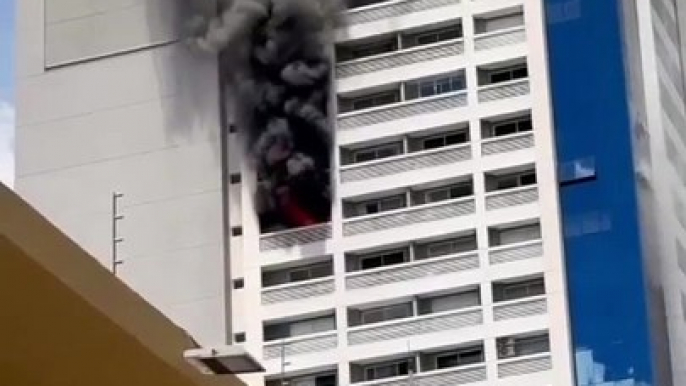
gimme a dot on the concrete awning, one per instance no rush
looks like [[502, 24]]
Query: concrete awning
[[67, 321]]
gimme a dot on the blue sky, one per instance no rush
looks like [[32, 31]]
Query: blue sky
[[6, 91]]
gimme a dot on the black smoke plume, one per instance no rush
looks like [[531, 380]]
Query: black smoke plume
[[276, 56]]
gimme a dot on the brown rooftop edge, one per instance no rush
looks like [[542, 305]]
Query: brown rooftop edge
[[65, 320]]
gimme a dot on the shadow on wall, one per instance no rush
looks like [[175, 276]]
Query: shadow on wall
[[188, 80]]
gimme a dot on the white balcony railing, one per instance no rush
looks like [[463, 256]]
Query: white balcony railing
[[292, 237], [402, 110], [500, 38], [406, 162], [525, 365], [511, 197], [409, 216], [463, 375], [412, 271], [393, 8], [420, 325], [400, 58], [515, 252], [504, 90], [520, 308], [298, 291], [504, 144], [301, 345]]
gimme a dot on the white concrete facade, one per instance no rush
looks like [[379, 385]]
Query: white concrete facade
[[108, 103]]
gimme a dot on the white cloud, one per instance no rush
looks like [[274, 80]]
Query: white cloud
[[6, 143]]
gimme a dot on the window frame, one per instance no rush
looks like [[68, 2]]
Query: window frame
[[516, 122], [363, 206], [458, 354], [310, 272], [453, 243], [450, 189], [382, 258], [528, 285], [510, 72], [444, 139], [455, 83], [396, 146], [375, 100], [377, 366], [386, 313]]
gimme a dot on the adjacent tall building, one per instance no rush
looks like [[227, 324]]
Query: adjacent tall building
[[510, 189]]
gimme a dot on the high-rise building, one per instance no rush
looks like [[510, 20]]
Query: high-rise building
[[510, 189]]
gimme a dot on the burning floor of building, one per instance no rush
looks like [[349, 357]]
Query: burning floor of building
[[276, 56]]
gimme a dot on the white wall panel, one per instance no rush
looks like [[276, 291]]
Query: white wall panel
[[78, 30]]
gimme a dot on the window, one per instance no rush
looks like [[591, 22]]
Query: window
[[448, 193], [312, 326], [387, 370], [508, 74], [345, 53], [462, 357], [512, 347], [301, 327], [511, 127], [448, 247], [518, 290], [383, 259], [239, 337], [237, 231], [433, 36], [376, 315], [449, 302], [499, 22], [435, 86], [309, 273], [515, 180], [516, 234], [377, 152], [296, 274], [445, 139], [235, 178], [238, 283], [381, 205], [380, 99]]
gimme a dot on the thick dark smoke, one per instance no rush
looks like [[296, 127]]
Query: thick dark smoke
[[276, 56]]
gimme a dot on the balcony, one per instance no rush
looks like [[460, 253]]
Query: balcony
[[451, 376], [499, 38], [520, 308], [511, 197], [504, 90], [412, 271], [524, 365], [504, 144], [400, 58], [406, 162], [393, 8], [301, 345], [298, 291], [409, 216], [406, 109], [293, 237], [515, 252], [424, 324]]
